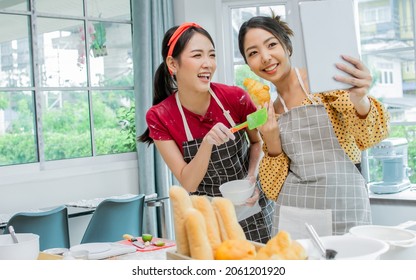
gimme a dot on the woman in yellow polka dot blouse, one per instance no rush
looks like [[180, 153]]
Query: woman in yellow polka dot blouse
[[312, 143]]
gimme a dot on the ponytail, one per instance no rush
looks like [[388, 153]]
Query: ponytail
[[163, 87]]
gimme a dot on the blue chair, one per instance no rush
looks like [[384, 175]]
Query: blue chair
[[51, 226], [114, 217]]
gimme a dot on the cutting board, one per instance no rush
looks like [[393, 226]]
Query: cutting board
[[168, 243]]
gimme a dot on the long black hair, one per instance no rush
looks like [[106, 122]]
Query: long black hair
[[274, 25], [164, 83]]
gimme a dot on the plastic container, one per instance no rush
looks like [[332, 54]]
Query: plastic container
[[348, 247], [402, 242], [238, 191], [27, 247]]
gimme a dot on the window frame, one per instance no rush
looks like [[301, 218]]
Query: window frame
[[10, 173]]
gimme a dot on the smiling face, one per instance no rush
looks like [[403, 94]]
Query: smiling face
[[196, 64], [265, 55]]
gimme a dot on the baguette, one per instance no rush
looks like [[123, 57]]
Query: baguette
[[196, 231], [203, 205], [227, 219], [181, 202]]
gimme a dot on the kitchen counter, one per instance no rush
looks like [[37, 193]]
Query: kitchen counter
[[408, 195], [395, 208]]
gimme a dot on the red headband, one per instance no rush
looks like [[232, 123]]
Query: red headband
[[177, 34]]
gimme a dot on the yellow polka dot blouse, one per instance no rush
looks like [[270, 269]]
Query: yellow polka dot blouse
[[354, 134]]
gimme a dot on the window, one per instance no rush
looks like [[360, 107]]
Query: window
[[376, 15], [388, 49], [66, 80], [387, 44]]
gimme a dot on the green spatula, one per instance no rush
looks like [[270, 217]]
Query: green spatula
[[254, 120]]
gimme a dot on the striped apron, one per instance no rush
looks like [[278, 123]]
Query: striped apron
[[323, 187], [230, 161]]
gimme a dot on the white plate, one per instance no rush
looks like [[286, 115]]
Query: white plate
[[56, 251], [92, 248], [392, 235]]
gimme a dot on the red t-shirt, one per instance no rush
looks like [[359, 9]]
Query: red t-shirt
[[165, 122]]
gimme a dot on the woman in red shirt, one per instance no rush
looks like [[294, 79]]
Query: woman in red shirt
[[190, 123]]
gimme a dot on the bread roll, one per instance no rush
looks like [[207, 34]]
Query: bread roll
[[227, 219], [196, 231], [203, 205], [181, 202], [259, 93]]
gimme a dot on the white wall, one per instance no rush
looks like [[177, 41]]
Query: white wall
[[207, 14]]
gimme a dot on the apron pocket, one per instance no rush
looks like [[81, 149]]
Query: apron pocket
[[293, 219]]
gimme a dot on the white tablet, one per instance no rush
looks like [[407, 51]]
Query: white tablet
[[329, 30]]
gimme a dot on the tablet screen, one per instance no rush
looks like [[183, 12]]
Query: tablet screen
[[329, 31]]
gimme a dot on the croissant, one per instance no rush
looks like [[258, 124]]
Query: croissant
[[259, 93]]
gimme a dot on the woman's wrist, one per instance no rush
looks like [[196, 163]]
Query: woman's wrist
[[273, 146], [363, 107]]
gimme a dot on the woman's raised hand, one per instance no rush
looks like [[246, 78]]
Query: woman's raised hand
[[360, 78], [270, 127], [270, 132], [218, 135]]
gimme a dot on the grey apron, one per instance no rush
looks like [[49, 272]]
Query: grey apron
[[323, 187], [230, 162]]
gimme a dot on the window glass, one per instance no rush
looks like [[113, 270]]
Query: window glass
[[114, 115], [110, 54], [116, 10], [66, 124], [387, 44], [409, 133], [17, 130], [80, 70], [61, 53], [61, 7], [15, 58], [16, 5]]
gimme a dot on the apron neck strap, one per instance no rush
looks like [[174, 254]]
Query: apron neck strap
[[302, 85], [185, 123], [225, 112]]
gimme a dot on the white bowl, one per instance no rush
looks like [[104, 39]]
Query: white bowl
[[402, 241], [26, 249], [349, 247], [392, 235], [238, 191]]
